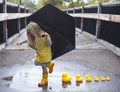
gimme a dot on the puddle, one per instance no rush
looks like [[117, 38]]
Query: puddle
[[27, 80], [9, 78]]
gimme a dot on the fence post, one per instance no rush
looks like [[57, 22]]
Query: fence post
[[73, 10], [20, 2], [67, 11], [5, 31], [98, 23], [25, 17], [18, 18], [82, 19], [74, 13]]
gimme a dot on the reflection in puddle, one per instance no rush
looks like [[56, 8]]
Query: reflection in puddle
[[64, 84], [78, 84], [44, 87], [27, 80]]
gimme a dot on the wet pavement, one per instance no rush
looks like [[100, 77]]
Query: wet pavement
[[19, 74]]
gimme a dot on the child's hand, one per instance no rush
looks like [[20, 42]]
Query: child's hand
[[19, 44]]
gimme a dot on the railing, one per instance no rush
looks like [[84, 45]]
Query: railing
[[13, 18], [105, 17], [100, 20]]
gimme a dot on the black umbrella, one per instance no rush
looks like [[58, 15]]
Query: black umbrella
[[59, 25]]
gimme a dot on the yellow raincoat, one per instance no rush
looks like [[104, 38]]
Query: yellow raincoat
[[43, 55]]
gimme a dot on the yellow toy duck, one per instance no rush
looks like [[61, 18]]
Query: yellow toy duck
[[21, 49], [107, 78], [79, 79], [96, 79], [88, 78], [102, 78], [66, 78]]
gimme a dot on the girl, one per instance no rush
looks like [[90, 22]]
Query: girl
[[41, 42]]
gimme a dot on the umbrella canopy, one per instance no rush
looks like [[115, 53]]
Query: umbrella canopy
[[59, 25]]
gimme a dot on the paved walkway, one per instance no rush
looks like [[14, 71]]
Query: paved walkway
[[19, 74]]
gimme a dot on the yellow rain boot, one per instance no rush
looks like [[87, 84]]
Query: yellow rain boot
[[50, 66], [44, 80]]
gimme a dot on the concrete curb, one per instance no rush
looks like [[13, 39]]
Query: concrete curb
[[106, 44], [110, 46], [2, 46], [11, 39]]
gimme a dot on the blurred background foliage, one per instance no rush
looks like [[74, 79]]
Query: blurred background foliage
[[61, 4]]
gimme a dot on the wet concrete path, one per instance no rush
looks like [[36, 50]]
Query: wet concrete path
[[19, 74]]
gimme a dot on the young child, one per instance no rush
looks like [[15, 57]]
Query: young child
[[41, 42]]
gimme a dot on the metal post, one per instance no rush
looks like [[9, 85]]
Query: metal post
[[25, 17], [20, 2], [82, 19], [5, 31], [73, 10], [19, 18], [98, 23], [67, 11]]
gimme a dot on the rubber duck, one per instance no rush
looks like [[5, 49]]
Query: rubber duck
[[102, 78], [21, 49], [64, 75], [66, 78], [96, 79], [88, 78], [107, 78], [79, 79]]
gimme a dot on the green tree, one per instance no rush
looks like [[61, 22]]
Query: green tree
[[97, 1], [78, 3], [62, 4], [14, 1], [115, 0], [56, 3], [27, 3]]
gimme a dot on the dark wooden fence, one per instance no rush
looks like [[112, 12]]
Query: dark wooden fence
[[12, 20], [100, 20]]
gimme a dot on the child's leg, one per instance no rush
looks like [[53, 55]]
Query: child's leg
[[44, 68], [44, 80], [51, 66]]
